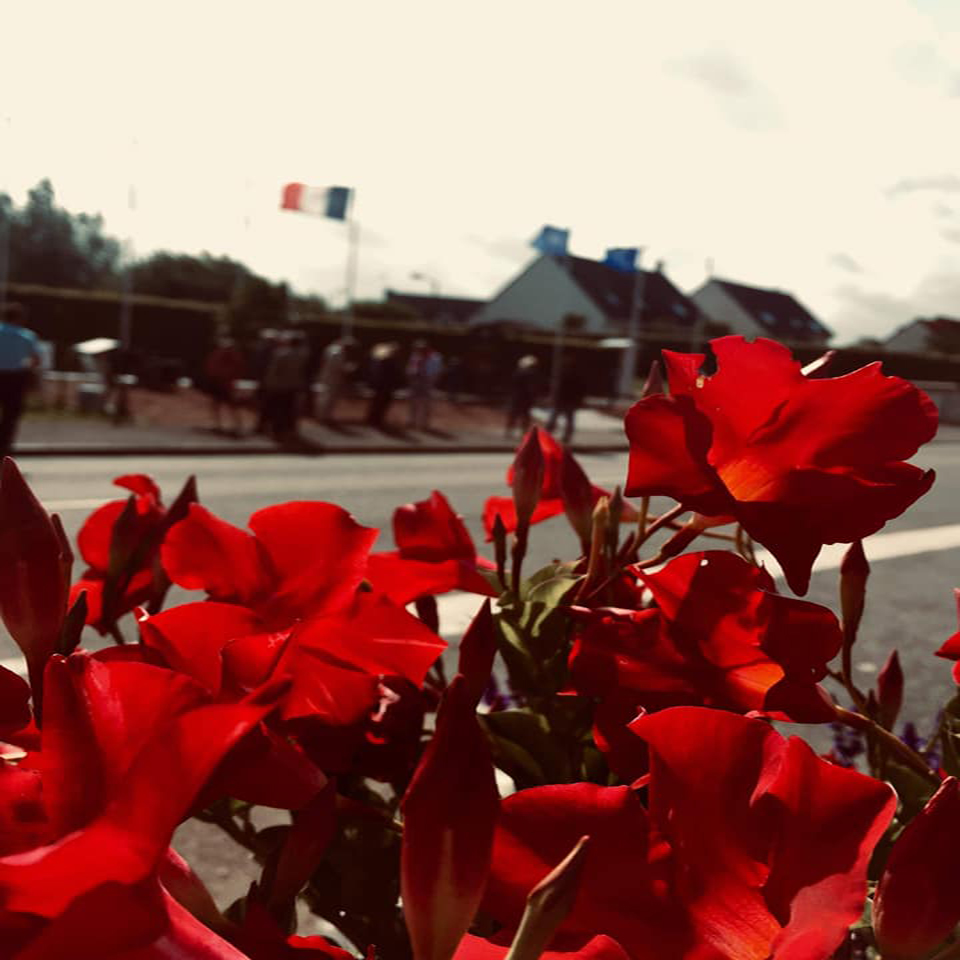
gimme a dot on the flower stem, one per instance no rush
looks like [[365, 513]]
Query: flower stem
[[664, 520], [893, 743]]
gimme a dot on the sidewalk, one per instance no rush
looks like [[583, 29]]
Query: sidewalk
[[179, 424]]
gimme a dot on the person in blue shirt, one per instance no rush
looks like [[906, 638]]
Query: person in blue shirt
[[19, 357]]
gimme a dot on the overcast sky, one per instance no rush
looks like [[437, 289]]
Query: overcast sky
[[813, 146]]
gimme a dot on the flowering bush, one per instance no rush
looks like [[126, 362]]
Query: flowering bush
[[601, 776]]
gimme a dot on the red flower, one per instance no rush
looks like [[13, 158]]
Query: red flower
[[435, 554], [564, 487], [119, 543], [918, 901], [334, 662], [719, 636], [126, 748], [750, 846], [449, 813], [951, 648], [799, 462], [301, 559], [35, 559]]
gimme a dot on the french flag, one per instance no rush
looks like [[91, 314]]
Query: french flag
[[317, 201]]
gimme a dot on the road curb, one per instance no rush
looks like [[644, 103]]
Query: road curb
[[105, 450]]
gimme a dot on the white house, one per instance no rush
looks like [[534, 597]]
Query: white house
[[554, 287], [926, 335], [755, 311]]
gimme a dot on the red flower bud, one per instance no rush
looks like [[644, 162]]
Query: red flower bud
[[854, 571], [654, 382], [477, 652], [918, 899], [549, 903], [890, 691], [578, 497], [35, 562], [527, 477], [450, 811]]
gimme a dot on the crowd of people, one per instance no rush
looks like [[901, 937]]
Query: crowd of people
[[293, 381]]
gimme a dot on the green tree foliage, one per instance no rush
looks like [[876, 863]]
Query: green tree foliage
[[45, 244], [254, 302], [42, 243]]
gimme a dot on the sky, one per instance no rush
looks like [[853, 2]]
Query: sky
[[813, 147]]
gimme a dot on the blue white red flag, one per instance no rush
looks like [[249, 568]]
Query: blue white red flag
[[319, 201]]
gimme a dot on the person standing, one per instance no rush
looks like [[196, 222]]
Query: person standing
[[386, 376], [284, 383], [267, 341], [19, 358], [334, 368], [571, 390], [423, 371], [524, 384], [223, 367]]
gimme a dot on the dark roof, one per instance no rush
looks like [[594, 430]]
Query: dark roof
[[776, 312], [939, 324], [943, 333], [612, 291], [436, 309]]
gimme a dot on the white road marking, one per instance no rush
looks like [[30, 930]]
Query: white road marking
[[881, 546], [16, 664], [80, 503]]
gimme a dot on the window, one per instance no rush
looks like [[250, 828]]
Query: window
[[767, 318], [679, 309]]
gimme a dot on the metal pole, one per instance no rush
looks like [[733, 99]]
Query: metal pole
[[4, 259], [629, 361], [5, 224], [353, 251], [558, 345], [121, 410]]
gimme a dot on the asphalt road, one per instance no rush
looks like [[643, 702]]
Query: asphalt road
[[910, 600]]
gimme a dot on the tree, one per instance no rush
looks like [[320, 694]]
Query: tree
[[48, 245], [254, 302]]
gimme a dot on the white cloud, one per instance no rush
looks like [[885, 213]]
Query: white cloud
[[765, 136]]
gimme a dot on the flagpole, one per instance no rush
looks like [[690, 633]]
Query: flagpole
[[121, 409], [353, 254], [629, 368], [558, 341], [5, 235]]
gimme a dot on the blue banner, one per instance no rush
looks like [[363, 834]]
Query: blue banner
[[623, 259], [551, 241]]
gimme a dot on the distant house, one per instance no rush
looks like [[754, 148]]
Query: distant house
[[442, 311], [755, 311], [926, 335], [600, 297]]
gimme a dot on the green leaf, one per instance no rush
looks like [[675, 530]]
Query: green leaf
[[523, 670], [525, 749], [913, 790]]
